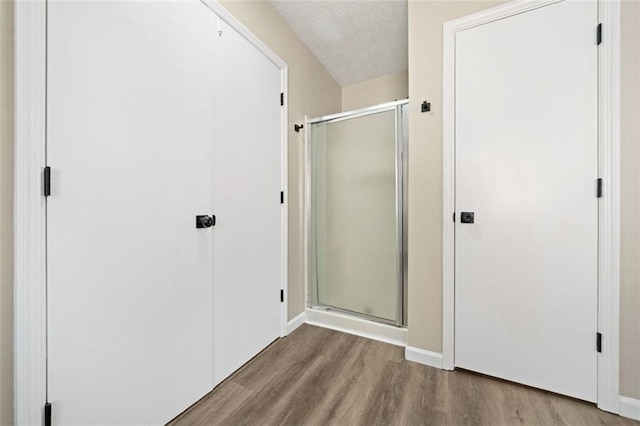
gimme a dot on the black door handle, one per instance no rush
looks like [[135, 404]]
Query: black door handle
[[466, 217], [204, 221]]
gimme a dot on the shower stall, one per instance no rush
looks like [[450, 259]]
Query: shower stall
[[356, 222]]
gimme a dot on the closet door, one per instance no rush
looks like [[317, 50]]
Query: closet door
[[526, 128], [130, 133], [247, 181]]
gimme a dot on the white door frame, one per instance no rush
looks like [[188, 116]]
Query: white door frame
[[609, 171], [30, 287]]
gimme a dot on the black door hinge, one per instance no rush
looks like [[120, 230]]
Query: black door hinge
[[599, 188], [454, 217], [282, 295], [599, 342], [599, 32], [281, 197], [281, 98], [47, 181], [47, 414]]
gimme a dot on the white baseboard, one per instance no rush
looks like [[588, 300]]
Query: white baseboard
[[358, 326], [630, 407], [297, 322], [423, 356]]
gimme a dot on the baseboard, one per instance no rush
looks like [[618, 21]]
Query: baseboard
[[358, 326], [630, 407], [296, 322], [423, 356]]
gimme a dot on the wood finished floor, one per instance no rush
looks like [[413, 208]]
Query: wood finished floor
[[317, 376]]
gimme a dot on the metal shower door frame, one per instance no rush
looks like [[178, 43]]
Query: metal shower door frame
[[401, 135]]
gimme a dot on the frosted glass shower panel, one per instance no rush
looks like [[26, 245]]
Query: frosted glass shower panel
[[354, 213]]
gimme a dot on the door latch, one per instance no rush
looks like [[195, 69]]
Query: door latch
[[204, 221], [466, 217]]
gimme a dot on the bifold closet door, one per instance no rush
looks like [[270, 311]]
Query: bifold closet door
[[526, 275], [130, 139], [247, 179]]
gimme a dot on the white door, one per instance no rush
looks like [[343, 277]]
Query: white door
[[247, 179], [527, 166], [129, 141]]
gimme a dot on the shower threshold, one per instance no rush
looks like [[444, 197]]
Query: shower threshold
[[358, 324], [329, 308]]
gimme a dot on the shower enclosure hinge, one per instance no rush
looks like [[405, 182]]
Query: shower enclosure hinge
[[281, 197], [47, 414], [599, 32], [47, 181], [599, 342], [281, 295], [599, 188], [281, 98]]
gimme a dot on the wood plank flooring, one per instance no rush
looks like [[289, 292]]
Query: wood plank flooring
[[317, 376]]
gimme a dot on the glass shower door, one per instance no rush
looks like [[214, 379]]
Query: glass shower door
[[356, 220]]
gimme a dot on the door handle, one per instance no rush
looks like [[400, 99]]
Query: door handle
[[204, 221], [466, 217]]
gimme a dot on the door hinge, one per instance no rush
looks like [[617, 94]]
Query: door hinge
[[47, 181], [454, 217], [47, 414], [281, 197], [281, 295], [281, 98], [599, 190], [599, 32], [599, 342]]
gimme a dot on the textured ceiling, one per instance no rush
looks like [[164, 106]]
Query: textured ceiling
[[356, 40]]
